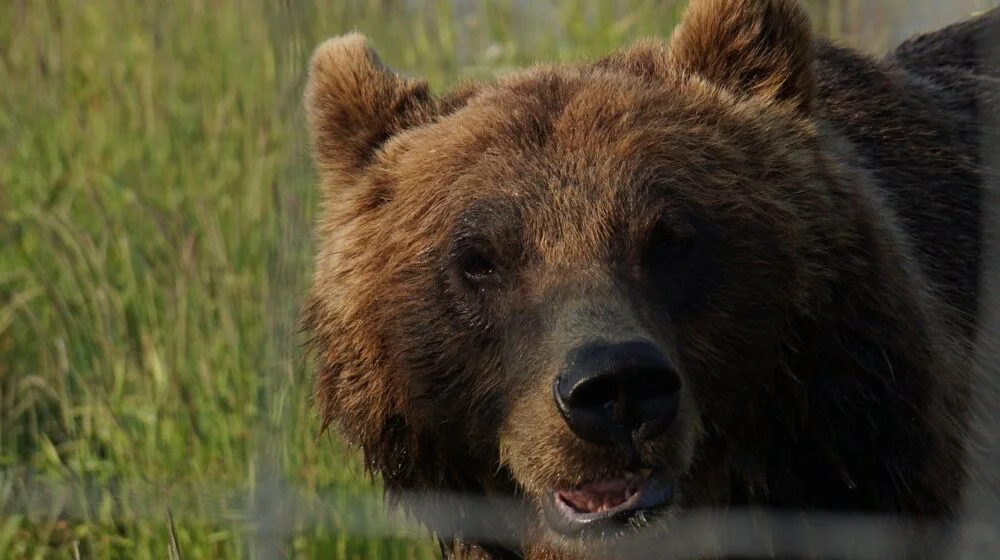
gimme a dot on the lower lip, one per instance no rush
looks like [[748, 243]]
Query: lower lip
[[655, 494]]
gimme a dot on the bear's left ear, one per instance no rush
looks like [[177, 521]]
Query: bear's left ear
[[750, 47], [354, 104]]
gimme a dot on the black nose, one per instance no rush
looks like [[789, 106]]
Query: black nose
[[617, 393]]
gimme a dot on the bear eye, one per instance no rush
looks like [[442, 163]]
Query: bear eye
[[476, 267], [667, 245]]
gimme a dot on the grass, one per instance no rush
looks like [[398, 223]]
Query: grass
[[156, 202]]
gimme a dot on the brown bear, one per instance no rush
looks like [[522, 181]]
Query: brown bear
[[578, 304]]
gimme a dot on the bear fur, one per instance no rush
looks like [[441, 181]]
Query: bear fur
[[795, 224]]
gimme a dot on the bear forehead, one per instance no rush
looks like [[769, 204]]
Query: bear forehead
[[596, 132], [584, 128], [570, 111]]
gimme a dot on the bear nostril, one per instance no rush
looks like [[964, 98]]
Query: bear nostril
[[617, 393], [594, 393]]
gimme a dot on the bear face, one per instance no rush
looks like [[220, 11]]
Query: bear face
[[618, 291]]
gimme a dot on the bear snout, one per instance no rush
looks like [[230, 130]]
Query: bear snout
[[619, 393]]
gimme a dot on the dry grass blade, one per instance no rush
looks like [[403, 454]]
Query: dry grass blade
[[173, 549]]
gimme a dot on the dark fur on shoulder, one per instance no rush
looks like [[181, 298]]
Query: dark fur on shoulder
[[794, 224]]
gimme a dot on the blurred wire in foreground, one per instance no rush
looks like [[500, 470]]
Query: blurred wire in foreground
[[745, 533]]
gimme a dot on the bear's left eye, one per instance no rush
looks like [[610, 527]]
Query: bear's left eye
[[667, 246]]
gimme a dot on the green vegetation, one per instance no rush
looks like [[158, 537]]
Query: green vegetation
[[156, 202]]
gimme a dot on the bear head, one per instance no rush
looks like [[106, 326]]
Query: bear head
[[600, 290]]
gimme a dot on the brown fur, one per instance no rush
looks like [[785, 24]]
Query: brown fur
[[820, 322]]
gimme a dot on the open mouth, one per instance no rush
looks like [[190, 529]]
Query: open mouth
[[607, 505]]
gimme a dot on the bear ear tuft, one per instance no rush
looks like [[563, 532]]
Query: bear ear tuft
[[354, 104], [750, 47], [647, 58]]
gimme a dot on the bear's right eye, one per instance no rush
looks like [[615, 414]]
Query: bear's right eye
[[477, 268]]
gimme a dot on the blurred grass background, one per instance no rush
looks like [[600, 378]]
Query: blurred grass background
[[156, 206]]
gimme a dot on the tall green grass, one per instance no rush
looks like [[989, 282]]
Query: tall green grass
[[156, 203]]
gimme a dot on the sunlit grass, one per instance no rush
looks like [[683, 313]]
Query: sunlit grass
[[156, 203]]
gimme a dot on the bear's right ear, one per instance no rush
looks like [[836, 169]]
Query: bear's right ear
[[354, 105]]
